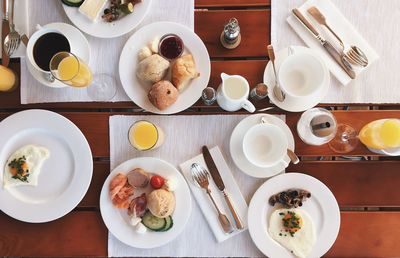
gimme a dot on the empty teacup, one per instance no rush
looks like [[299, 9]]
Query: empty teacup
[[301, 75], [265, 145], [233, 93]]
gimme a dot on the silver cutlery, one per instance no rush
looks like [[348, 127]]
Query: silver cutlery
[[5, 29], [24, 39], [353, 54], [278, 93], [216, 176], [339, 57], [265, 109], [200, 176], [293, 157], [13, 39]]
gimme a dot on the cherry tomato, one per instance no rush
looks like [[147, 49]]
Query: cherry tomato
[[157, 182]]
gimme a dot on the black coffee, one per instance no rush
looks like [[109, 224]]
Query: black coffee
[[47, 46]]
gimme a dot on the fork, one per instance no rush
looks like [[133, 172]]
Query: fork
[[13, 39], [200, 176]]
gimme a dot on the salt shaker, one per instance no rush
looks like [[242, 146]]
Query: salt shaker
[[259, 92], [209, 96], [230, 36]]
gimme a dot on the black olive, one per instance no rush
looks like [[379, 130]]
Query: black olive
[[107, 11]]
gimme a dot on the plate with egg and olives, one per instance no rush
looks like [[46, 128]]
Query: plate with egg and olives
[[293, 215], [106, 18]]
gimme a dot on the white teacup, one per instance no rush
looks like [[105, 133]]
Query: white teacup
[[233, 93], [301, 75], [265, 145], [40, 31]]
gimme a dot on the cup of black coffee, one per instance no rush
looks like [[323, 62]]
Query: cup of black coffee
[[42, 46]]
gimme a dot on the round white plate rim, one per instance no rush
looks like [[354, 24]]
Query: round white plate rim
[[295, 104], [244, 165], [196, 47], [78, 187], [329, 207], [107, 30], [105, 203], [84, 52]]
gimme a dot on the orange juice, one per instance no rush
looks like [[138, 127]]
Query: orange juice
[[144, 135], [381, 134], [7, 79], [74, 72]]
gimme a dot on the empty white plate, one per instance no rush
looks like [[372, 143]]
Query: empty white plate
[[65, 176]]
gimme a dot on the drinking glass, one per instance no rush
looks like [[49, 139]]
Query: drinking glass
[[144, 135], [318, 126], [73, 71]]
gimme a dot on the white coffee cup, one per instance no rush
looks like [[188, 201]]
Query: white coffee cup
[[301, 75], [233, 93], [265, 145], [40, 31]]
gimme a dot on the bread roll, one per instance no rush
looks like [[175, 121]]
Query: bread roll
[[161, 203], [152, 69], [183, 70], [163, 94]]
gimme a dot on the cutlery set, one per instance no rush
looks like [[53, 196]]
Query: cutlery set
[[201, 177], [10, 38]]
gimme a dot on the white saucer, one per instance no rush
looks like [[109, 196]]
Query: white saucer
[[237, 151], [295, 104], [79, 46]]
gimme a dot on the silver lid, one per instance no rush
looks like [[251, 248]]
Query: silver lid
[[232, 29]]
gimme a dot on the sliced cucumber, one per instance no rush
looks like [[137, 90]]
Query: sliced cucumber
[[169, 223], [73, 3], [152, 222]]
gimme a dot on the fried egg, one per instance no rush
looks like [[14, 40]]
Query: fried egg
[[23, 167], [294, 230]]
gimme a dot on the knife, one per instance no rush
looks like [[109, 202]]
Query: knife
[[220, 184], [328, 46], [5, 30]]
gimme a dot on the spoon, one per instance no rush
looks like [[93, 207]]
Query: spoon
[[293, 157], [354, 55], [280, 96]]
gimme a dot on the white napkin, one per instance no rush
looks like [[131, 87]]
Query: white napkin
[[341, 26], [378, 23], [204, 201], [21, 23], [184, 137], [104, 52]]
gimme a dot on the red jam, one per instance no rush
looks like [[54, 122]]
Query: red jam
[[171, 46]]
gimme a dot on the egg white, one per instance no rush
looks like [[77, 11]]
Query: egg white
[[302, 241], [35, 156]]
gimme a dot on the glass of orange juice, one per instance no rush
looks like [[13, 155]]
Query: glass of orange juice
[[144, 135], [71, 70]]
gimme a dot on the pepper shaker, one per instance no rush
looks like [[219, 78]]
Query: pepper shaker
[[230, 37]]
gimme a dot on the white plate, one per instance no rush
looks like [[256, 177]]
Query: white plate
[[65, 175], [237, 151], [290, 103], [322, 208], [79, 46], [117, 220], [128, 62], [102, 29]]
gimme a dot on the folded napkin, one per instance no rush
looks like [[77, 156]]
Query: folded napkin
[[341, 26], [21, 24], [204, 201]]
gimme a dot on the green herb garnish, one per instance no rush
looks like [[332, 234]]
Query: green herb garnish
[[19, 169]]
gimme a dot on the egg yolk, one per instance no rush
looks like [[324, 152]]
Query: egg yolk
[[292, 222]]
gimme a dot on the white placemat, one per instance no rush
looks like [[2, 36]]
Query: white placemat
[[104, 52], [377, 22], [185, 135]]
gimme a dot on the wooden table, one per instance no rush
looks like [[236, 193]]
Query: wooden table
[[366, 190]]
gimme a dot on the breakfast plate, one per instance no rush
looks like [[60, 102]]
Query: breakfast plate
[[119, 223], [138, 90], [65, 175], [236, 148], [102, 29], [322, 207], [293, 104], [79, 46]]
